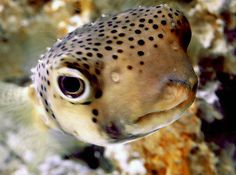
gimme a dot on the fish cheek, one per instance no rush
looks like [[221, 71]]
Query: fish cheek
[[76, 119]]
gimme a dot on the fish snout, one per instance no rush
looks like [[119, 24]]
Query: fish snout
[[177, 93], [190, 83], [173, 99]]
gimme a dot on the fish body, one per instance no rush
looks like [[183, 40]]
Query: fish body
[[117, 79]]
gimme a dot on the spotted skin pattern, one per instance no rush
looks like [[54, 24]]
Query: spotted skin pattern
[[128, 59]]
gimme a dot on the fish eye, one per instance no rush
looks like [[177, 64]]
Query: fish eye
[[72, 85]]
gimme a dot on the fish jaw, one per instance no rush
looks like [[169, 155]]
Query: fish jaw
[[171, 104]]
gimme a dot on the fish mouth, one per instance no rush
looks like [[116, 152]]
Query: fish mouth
[[152, 122], [166, 115], [181, 105], [176, 99]]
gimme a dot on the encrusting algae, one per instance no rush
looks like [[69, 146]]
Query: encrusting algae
[[177, 150]]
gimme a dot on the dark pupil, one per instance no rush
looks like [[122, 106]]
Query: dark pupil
[[71, 86]]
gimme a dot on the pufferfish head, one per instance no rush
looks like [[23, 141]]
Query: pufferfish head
[[120, 78]]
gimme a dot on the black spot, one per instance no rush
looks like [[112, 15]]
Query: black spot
[[53, 116], [99, 55], [150, 21], [122, 34], [151, 38], [131, 38], [86, 103], [170, 15], [119, 42], [115, 57], [48, 82], [98, 93], [89, 39], [140, 53], [137, 31], [141, 63], [160, 35], [129, 67], [79, 53], [86, 66], [97, 44], [109, 41], [101, 35], [89, 54], [163, 22], [155, 26], [85, 59], [94, 120], [141, 25], [155, 45], [113, 31], [131, 47], [176, 14], [119, 50], [142, 20], [141, 42], [108, 48], [95, 112]]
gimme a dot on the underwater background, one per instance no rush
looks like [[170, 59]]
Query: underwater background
[[202, 142]]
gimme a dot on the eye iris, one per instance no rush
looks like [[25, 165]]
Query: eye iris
[[71, 86]]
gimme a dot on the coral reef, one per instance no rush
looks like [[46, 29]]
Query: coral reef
[[27, 27], [201, 142]]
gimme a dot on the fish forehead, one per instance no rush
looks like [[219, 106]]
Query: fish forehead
[[126, 33]]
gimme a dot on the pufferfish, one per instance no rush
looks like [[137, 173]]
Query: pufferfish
[[115, 80]]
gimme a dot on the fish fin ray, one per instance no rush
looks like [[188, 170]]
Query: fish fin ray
[[15, 102]]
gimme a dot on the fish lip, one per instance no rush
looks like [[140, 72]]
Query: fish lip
[[126, 138], [182, 106]]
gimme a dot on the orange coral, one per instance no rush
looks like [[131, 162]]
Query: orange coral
[[177, 150]]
